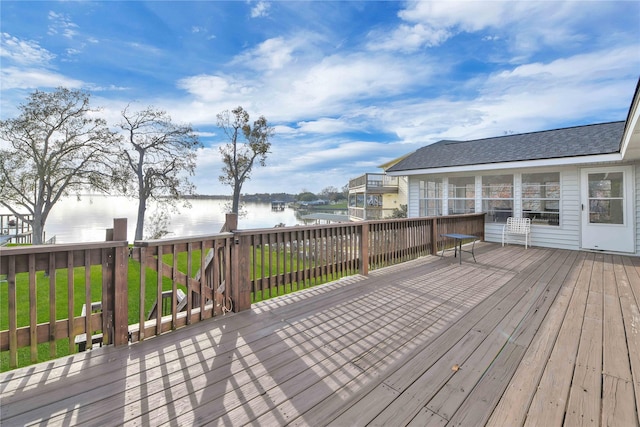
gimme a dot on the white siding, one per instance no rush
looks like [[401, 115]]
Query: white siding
[[517, 195], [414, 195], [403, 190], [445, 192], [564, 236], [637, 202]]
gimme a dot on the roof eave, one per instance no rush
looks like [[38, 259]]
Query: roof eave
[[563, 161], [630, 146]]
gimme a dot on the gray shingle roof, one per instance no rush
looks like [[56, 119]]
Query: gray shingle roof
[[604, 138]]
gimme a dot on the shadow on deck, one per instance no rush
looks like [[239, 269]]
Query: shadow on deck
[[537, 336]]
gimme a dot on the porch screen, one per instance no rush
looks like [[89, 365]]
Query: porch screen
[[497, 197], [430, 197], [462, 195], [541, 198]]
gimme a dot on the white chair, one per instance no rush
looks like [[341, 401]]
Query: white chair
[[516, 230]]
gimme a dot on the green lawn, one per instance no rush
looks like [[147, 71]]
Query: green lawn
[[337, 206]]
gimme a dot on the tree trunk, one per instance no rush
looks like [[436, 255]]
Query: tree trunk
[[235, 207], [37, 226], [142, 208], [37, 231]]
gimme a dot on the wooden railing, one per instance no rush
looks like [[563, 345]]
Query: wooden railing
[[91, 270], [374, 180], [371, 213], [203, 282], [282, 260], [193, 278], [285, 259], [15, 229]]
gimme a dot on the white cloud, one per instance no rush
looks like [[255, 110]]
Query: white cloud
[[219, 89], [26, 65], [465, 15], [33, 78], [272, 54], [59, 23], [581, 67], [527, 25], [260, 10], [307, 87], [23, 52], [327, 125], [329, 86], [408, 38], [527, 98], [202, 30], [428, 24], [144, 49]]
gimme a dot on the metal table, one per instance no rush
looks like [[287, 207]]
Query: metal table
[[457, 240]]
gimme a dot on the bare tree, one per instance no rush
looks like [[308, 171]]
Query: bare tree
[[238, 156], [55, 147], [158, 160]]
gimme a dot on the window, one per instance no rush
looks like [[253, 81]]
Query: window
[[606, 198], [356, 200], [431, 197], [374, 200], [462, 195], [541, 198], [497, 197]]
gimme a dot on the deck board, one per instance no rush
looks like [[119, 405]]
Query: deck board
[[586, 391], [513, 339], [483, 397], [421, 377], [629, 288], [518, 325], [618, 403], [513, 407], [549, 402]]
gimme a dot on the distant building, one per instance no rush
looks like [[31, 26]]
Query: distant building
[[278, 205], [377, 195]]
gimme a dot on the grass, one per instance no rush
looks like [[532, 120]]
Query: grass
[[337, 206]]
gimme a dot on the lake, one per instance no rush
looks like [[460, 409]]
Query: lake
[[85, 220]]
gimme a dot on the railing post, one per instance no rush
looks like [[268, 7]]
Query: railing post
[[239, 264], [364, 248], [230, 223], [240, 271], [120, 284], [434, 236]]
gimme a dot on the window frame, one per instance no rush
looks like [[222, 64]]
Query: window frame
[[469, 199], [494, 203], [430, 197], [548, 192]]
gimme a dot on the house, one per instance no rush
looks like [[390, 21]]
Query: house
[[377, 195], [580, 185]]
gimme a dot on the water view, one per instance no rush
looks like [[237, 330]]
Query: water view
[[85, 220]]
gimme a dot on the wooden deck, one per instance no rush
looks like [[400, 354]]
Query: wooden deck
[[536, 337]]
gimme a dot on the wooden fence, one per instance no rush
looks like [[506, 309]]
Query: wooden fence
[[160, 285], [37, 270], [15, 229], [197, 291]]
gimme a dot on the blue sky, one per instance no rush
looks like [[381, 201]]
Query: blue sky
[[346, 85]]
